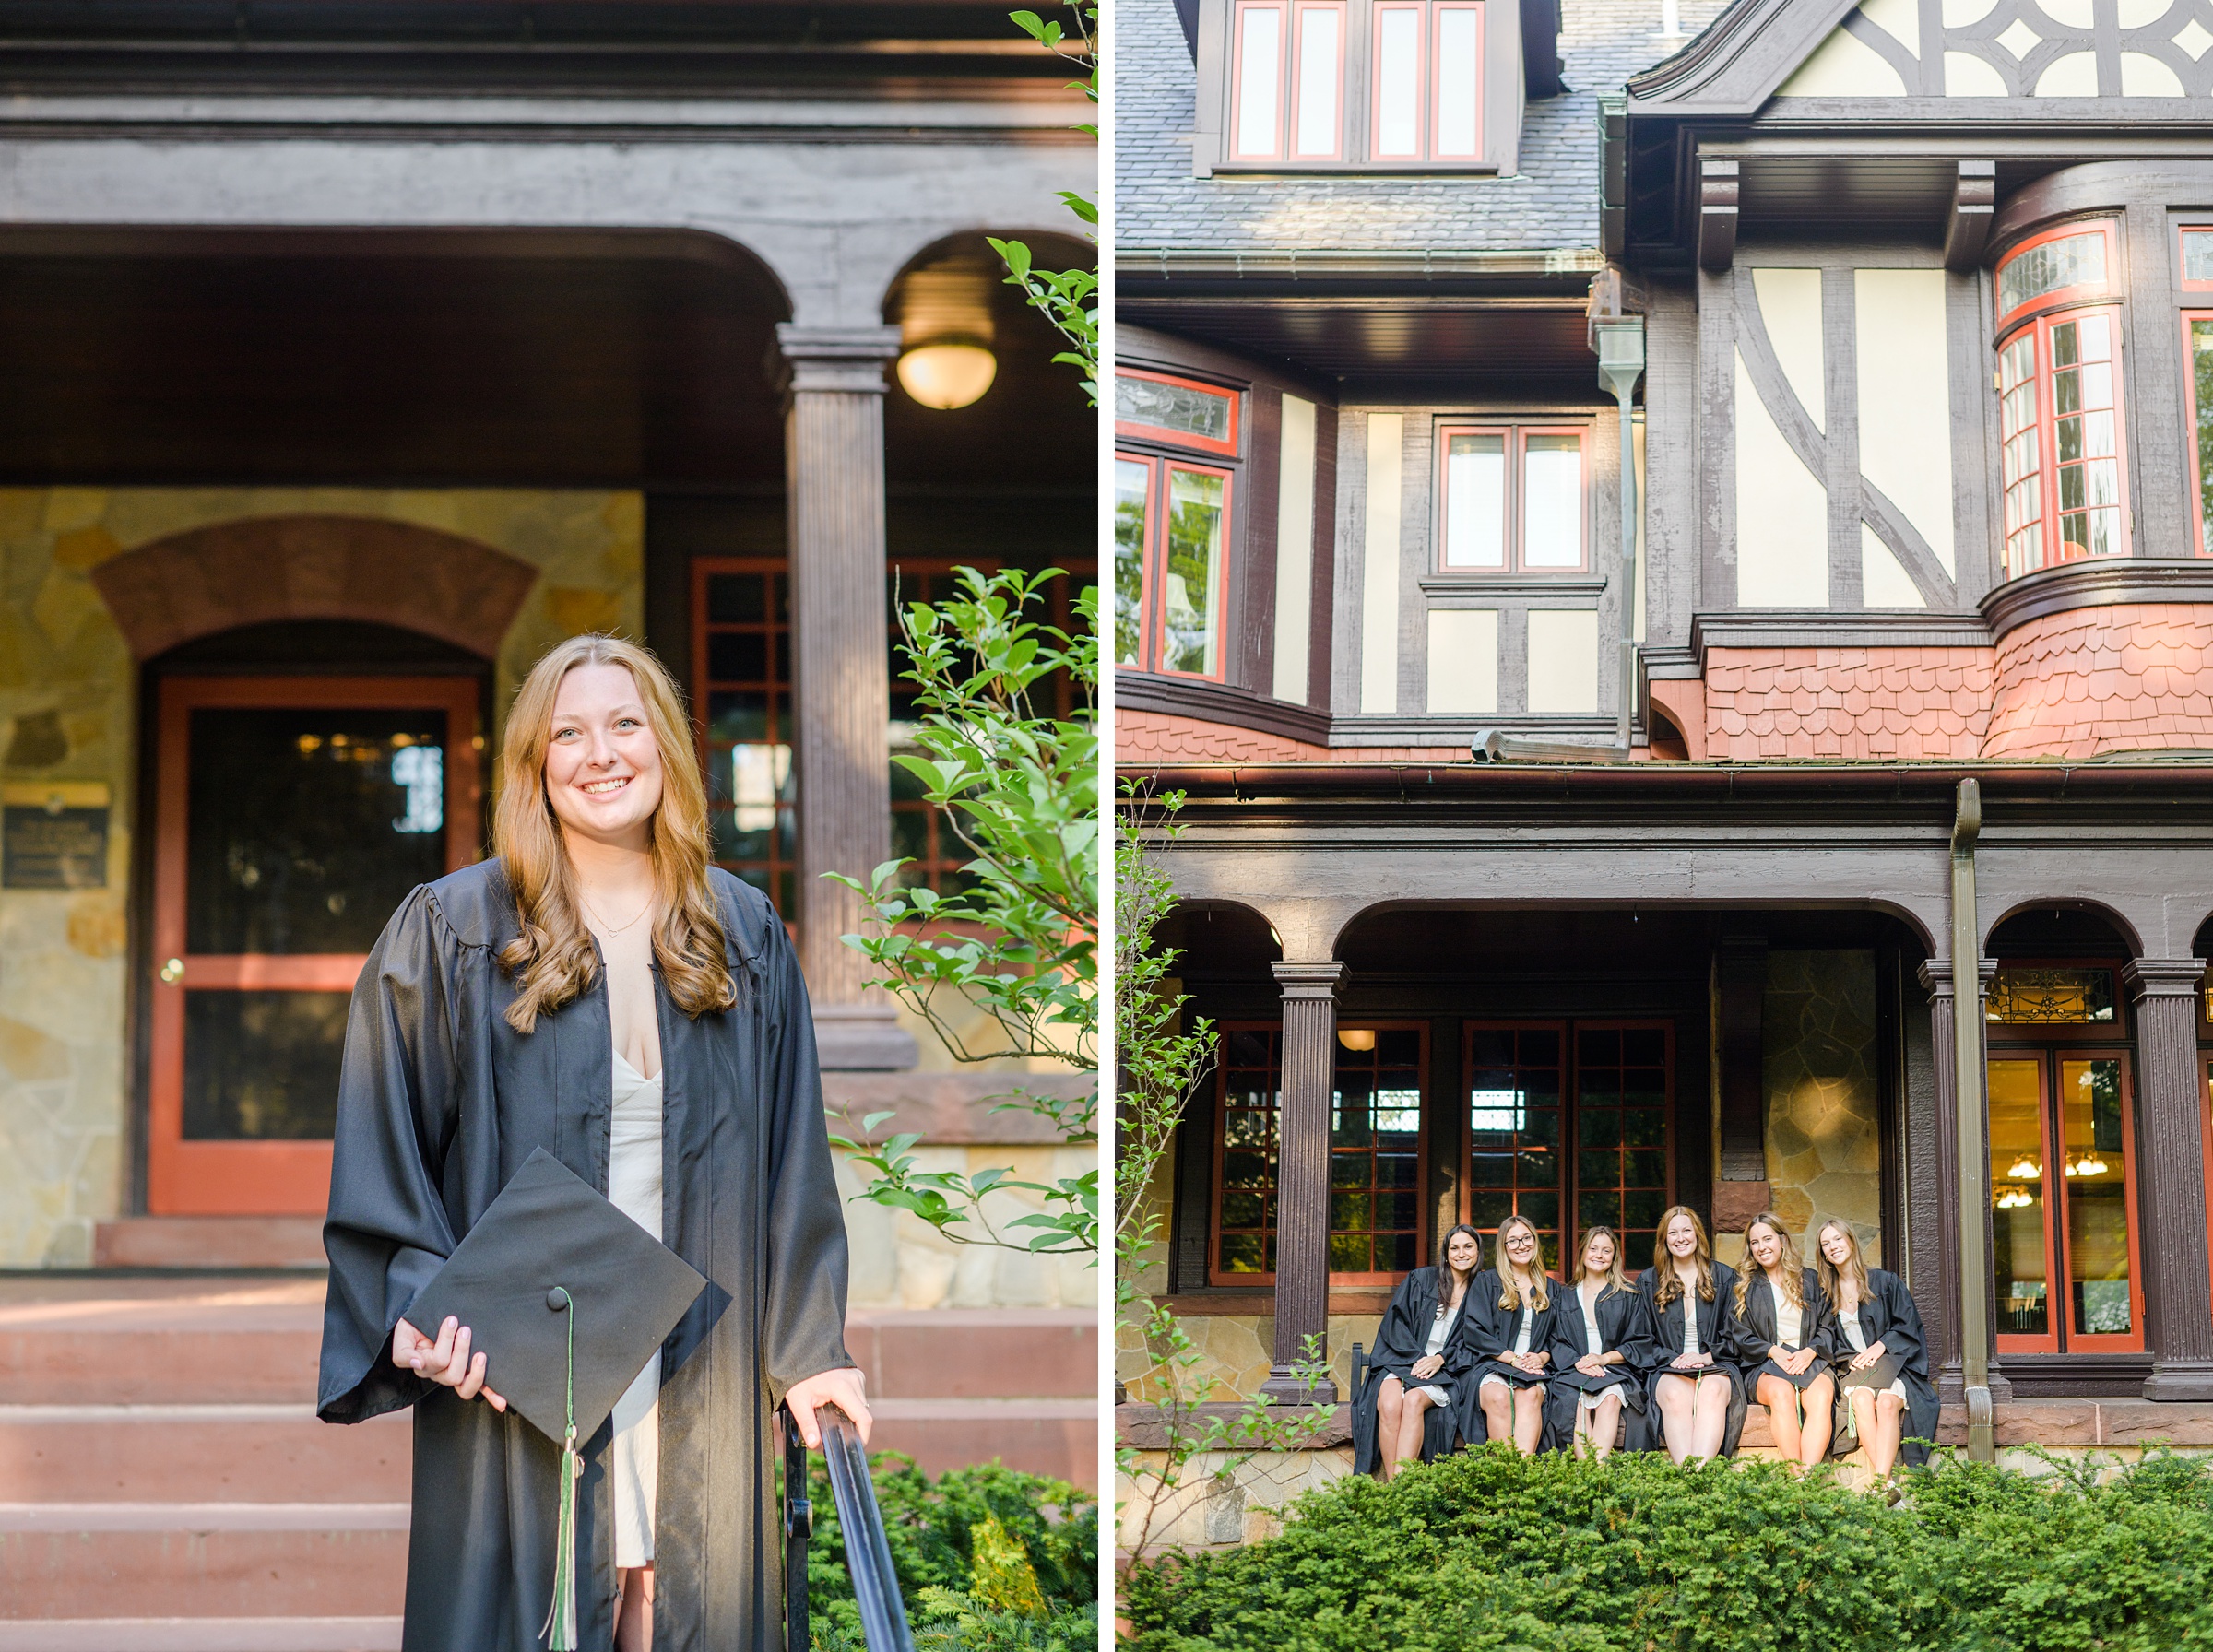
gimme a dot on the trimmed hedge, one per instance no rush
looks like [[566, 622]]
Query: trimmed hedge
[[1487, 1552], [989, 1559]]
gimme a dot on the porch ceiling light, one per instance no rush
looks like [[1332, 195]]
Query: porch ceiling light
[[2026, 1169], [946, 333], [1361, 1039]]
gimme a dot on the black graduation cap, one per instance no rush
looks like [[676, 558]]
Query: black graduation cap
[[547, 1251]]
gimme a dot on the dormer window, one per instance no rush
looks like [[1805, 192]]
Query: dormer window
[[1361, 85]]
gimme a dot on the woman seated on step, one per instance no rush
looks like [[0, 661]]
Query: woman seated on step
[[1407, 1404], [1879, 1354], [1782, 1318], [1692, 1382], [1601, 1336], [1509, 1328]]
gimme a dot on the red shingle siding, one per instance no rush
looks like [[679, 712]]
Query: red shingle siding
[[1152, 740], [1846, 704], [2130, 677]]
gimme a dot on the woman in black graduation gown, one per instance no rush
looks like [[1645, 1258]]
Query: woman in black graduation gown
[[1783, 1324], [1406, 1406], [1693, 1383], [1880, 1356], [1601, 1336], [1509, 1330], [487, 1023]]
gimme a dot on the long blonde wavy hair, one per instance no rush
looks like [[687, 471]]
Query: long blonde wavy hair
[[1794, 1267], [1832, 1277], [1509, 1295], [1664, 1264], [1617, 1276], [552, 959]]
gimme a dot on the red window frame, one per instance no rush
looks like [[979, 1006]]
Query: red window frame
[[1289, 85], [1285, 24], [1420, 9], [1152, 588], [2205, 1122], [1226, 446], [1215, 1273], [2037, 329], [2077, 292], [2182, 283], [2201, 474], [780, 870], [1293, 63], [1568, 1179], [1433, 82], [2048, 1055], [1517, 436]]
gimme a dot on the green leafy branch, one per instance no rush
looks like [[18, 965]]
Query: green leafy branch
[[950, 1202], [1069, 299]]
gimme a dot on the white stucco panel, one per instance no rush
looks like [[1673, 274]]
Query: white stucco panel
[[1782, 513], [1905, 397]]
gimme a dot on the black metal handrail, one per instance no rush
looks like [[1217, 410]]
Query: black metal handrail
[[868, 1551]]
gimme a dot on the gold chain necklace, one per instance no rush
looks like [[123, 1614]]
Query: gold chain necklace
[[606, 928]]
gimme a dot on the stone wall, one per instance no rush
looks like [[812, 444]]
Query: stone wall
[[1824, 1137], [68, 690]]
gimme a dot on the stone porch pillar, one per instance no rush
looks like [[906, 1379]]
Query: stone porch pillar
[[1302, 1177], [1941, 1316], [833, 469], [2178, 1301]]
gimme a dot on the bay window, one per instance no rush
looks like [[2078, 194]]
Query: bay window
[[1172, 514], [1512, 499]]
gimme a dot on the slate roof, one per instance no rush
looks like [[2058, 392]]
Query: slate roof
[[1552, 204]]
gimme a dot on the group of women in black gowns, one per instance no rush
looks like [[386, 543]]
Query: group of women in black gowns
[[1667, 1361]]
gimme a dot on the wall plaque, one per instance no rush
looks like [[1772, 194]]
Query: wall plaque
[[53, 835]]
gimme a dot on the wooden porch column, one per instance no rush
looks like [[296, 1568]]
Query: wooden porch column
[[1942, 1315], [833, 465], [1302, 1177], [2178, 1301]]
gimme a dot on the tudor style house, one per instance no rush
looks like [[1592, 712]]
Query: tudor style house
[[1593, 484]]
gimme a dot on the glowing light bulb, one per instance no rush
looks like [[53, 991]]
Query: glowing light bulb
[[948, 375]]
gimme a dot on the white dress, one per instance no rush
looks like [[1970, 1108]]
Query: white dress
[[1590, 1402], [1790, 1321], [1441, 1328], [1854, 1335], [633, 1187]]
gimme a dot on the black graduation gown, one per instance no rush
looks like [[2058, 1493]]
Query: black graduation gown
[[1489, 1330], [1888, 1316], [1718, 1336], [440, 1102], [1400, 1340], [1625, 1326], [1755, 1330]]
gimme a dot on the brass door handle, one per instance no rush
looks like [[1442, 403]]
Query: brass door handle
[[173, 971]]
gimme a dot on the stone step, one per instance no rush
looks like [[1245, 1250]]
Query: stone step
[[194, 1244], [977, 1354], [199, 1454], [199, 1635], [89, 1339], [202, 1560], [1060, 1437]]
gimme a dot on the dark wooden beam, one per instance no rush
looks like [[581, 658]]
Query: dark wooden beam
[[1741, 982], [1717, 214], [1975, 204]]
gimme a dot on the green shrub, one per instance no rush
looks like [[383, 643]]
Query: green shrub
[[1485, 1551], [1020, 1522]]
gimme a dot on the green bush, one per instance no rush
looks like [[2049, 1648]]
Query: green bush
[[1486, 1551], [1038, 1539]]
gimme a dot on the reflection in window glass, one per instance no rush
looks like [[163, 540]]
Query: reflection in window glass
[[2070, 261], [2022, 461], [1475, 501], [1260, 76], [1459, 76], [1397, 82], [2083, 414], [1183, 408], [1552, 501], [1191, 596], [2201, 374], [2197, 254], [1132, 489], [2051, 995], [262, 1066], [1319, 50], [2100, 1301], [2022, 1245], [1514, 1150], [1251, 1108], [1374, 1156]]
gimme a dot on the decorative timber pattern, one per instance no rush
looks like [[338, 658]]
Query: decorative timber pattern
[[2015, 49]]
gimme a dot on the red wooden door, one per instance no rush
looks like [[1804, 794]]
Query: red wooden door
[[292, 817]]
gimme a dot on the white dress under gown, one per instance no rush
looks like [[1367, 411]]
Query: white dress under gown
[[1441, 1328], [633, 1187], [1591, 1401]]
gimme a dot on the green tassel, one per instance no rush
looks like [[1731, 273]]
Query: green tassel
[[561, 1613]]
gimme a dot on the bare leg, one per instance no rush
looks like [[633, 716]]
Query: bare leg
[[1390, 1400], [1820, 1419], [1529, 1420], [1583, 1442], [1884, 1438], [1713, 1417], [1781, 1400], [1413, 1413], [633, 1615], [1675, 1395], [1498, 1409], [1863, 1425], [1605, 1425]]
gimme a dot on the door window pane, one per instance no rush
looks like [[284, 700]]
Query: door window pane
[[1459, 81], [1192, 575], [1475, 501], [2021, 1247], [1375, 1155], [1320, 53], [306, 828], [1397, 82], [1551, 499], [2093, 1167], [1515, 1088], [745, 684], [262, 1066], [1252, 1108], [1260, 78], [1132, 501]]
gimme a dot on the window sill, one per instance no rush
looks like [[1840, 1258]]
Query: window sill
[[1575, 583], [1383, 171], [2097, 581]]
